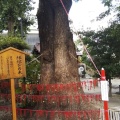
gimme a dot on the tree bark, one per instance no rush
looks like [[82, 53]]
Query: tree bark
[[10, 26], [56, 40], [110, 88], [58, 63]]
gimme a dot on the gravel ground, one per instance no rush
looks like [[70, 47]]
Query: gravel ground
[[114, 101]]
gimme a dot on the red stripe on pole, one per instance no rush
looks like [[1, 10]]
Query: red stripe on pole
[[103, 78], [103, 74]]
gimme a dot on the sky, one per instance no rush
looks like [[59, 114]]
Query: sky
[[84, 14]]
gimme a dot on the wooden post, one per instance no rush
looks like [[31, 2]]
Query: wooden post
[[12, 65], [106, 113], [13, 99]]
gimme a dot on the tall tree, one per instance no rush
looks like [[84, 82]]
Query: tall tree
[[56, 42], [11, 11], [113, 7], [16, 42], [58, 63], [104, 48]]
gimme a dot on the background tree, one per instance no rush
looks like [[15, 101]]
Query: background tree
[[16, 42], [11, 11], [113, 8], [33, 70], [104, 48]]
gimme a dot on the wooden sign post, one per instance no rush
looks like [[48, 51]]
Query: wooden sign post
[[12, 65]]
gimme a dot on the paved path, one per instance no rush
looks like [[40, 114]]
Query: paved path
[[114, 101]]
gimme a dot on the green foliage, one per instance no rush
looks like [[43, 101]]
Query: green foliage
[[77, 42], [16, 42], [107, 2], [26, 22], [18, 90], [113, 6], [11, 10], [33, 70], [104, 47]]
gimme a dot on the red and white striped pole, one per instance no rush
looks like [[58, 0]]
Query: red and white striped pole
[[104, 92]]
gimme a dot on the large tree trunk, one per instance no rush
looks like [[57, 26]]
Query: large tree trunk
[[56, 40], [57, 49], [10, 26]]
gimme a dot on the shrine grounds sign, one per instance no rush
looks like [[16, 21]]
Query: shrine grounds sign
[[12, 65]]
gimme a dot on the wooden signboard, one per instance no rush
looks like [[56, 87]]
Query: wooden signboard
[[12, 64]]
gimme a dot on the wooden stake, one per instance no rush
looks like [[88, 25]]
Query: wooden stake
[[13, 99]]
